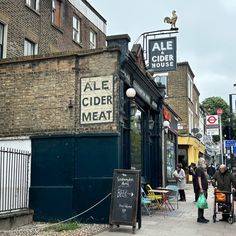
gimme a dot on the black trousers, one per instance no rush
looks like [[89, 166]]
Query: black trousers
[[182, 195], [201, 211]]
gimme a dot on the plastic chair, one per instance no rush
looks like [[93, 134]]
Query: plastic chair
[[146, 202], [155, 197], [173, 197]]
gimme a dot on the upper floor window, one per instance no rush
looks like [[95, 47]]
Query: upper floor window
[[190, 120], [196, 107], [162, 79], [56, 12], [76, 29], [190, 87], [30, 48], [34, 4], [1, 40], [92, 39]]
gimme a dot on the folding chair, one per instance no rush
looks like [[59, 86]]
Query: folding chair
[[173, 197], [155, 197], [146, 202]]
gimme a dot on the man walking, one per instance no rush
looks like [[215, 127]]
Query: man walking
[[202, 186], [223, 180]]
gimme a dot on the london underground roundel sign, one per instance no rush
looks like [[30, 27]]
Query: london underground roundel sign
[[212, 120]]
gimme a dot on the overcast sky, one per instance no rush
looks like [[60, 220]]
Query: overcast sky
[[206, 38]]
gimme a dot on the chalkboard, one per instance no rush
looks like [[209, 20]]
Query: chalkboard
[[125, 199]]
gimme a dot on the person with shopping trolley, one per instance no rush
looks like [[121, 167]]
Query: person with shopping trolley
[[224, 181]]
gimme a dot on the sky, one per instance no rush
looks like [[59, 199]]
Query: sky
[[206, 38]]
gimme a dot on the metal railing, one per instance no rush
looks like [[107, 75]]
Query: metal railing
[[14, 179]]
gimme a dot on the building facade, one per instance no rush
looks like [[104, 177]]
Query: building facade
[[183, 97], [73, 109], [32, 27]]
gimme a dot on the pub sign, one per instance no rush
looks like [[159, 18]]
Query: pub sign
[[162, 54]]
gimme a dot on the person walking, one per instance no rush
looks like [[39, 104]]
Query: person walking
[[181, 182], [211, 170], [202, 187], [192, 171], [223, 180]]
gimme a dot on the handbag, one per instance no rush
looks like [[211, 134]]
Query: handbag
[[202, 202]]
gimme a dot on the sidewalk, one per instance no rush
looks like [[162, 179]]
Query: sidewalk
[[179, 222]]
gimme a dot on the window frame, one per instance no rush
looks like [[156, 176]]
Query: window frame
[[190, 87], [34, 4], [190, 120], [34, 47], [93, 42], [76, 29], [57, 13], [2, 26]]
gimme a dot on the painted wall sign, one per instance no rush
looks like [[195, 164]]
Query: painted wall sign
[[96, 100], [162, 54]]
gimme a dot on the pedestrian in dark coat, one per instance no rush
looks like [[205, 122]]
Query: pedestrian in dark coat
[[223, 180], [202, 186], [211, 170], [192, 171]]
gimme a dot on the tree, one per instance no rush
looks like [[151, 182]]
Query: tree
[[211, 105]]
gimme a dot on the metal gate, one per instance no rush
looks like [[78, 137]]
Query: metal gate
[[14, 179]]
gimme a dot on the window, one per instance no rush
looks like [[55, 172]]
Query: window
[[1, 40], [196, 108], [34, 4], [170, 158], [76, 29], [30, 48], [163, 80], [93, 39], [56, 12], [190, 87], [190, 121]]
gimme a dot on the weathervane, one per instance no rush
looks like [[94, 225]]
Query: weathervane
[[172, 20]]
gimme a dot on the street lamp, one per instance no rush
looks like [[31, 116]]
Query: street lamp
[[130, 93], [231, 113]]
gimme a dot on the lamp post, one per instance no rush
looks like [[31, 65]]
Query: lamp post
[[231, 113]]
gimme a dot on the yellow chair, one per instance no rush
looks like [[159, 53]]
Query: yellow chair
[[155, 197]]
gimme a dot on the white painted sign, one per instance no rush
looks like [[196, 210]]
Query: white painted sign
[[212, 131], [96, 100]]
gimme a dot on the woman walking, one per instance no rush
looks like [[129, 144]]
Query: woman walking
[[181, 182]]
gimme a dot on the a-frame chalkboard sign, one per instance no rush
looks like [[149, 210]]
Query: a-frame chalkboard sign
[[125, 199]]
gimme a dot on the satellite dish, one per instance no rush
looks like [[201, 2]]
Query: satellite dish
[[199, 135], [195, 130]]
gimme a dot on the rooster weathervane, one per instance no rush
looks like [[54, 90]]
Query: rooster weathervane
[[172, 20]]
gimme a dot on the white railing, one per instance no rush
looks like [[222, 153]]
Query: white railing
[[14, 179], [90, 14]]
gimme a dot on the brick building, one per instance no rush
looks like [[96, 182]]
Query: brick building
[[31, 27], [183, 97], [73, 110]]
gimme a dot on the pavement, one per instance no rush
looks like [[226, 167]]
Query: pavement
[[180, 222]]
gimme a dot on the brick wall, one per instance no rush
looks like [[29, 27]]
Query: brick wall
[[35, 93], [178, 95], [177, 92], [22, 22]]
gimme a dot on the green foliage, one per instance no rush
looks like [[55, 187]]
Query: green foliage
[[211, 105], [136, 143], [73, 225]]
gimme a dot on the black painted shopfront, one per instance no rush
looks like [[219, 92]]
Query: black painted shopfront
[[73, 172]]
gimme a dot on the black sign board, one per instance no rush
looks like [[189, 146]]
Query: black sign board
[[162, 54], [125, 199]]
